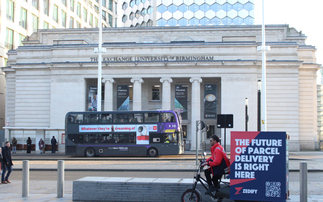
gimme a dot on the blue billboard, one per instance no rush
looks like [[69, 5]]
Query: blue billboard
[[258, 166]]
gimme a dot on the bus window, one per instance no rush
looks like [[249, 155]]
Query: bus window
[[87, 118], [124, 138], [91, 138], [170, 138], [106, 118], [100, 138], [79, 118], [120, 118], [80, 139], [151, 117], [135, 118], [166, 139], [167, 117], [132, 138], [94, 118], [71, 118], [73, 137], [108, 138]]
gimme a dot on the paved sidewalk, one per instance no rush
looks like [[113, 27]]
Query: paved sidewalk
[[42, 190], [182, 163]]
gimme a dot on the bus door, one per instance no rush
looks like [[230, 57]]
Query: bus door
[[80, 138]]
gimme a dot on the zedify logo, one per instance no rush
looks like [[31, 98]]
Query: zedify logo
[[238, 190], [245, 191]]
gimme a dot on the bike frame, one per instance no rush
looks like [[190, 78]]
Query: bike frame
[[199, 178], [222, 192]]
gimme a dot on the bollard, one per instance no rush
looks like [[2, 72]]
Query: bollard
[[25, 178], [60, 178], [303, 181]]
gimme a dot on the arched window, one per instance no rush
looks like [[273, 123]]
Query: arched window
[[124, 5], [124, 18]]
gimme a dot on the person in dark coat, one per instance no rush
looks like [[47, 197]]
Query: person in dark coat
[[14, 145], [7, 163], [29, 145], [53, 142], [1, 162]]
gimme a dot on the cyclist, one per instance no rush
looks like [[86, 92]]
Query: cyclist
[[218, 162]]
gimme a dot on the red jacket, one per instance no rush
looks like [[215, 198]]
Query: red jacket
[[217, 154]]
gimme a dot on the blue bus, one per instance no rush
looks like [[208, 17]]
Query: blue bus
[[123, 133]]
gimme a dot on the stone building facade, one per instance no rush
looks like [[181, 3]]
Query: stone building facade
[[55, 72]]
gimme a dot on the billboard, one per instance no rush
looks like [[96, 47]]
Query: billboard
[[123, 98], [181, 100], [258, 166], [210, 101]]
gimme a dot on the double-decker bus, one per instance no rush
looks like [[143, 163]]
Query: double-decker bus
[[123, 133]]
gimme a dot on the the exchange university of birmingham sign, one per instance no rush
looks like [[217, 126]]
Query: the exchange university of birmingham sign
[[155, 58]]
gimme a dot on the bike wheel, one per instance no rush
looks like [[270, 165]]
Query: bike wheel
[[191, 195]]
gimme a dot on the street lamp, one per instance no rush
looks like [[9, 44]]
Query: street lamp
[[259, 106], [99, 51], [263, 48]]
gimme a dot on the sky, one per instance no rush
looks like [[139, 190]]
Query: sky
[[303, 15]]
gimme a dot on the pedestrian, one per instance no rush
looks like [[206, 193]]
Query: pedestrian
[[53, 142], [1, 162], [7, 163], [41, 145], [29, 145], [14, 145]]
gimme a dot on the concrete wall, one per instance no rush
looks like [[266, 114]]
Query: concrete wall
[[132, 189]]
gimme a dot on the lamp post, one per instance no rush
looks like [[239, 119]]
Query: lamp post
[[259, 106], [263, 94], [263, 48], [100, 50]]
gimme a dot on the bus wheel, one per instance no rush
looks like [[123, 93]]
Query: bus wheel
[[89, 152], [152, 152]]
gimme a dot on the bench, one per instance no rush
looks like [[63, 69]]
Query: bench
[[132, 189], [33, 146]]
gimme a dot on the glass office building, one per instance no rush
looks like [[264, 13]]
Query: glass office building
[[187, 12]]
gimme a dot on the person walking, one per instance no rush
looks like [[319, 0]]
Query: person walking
[[41, 145], [53, 142], [7, 163], [1, 162], [14, 145], [29, 145]]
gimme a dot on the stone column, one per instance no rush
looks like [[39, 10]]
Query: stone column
[[195, 108], [108, 94], [166, 94], [137, 93]]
